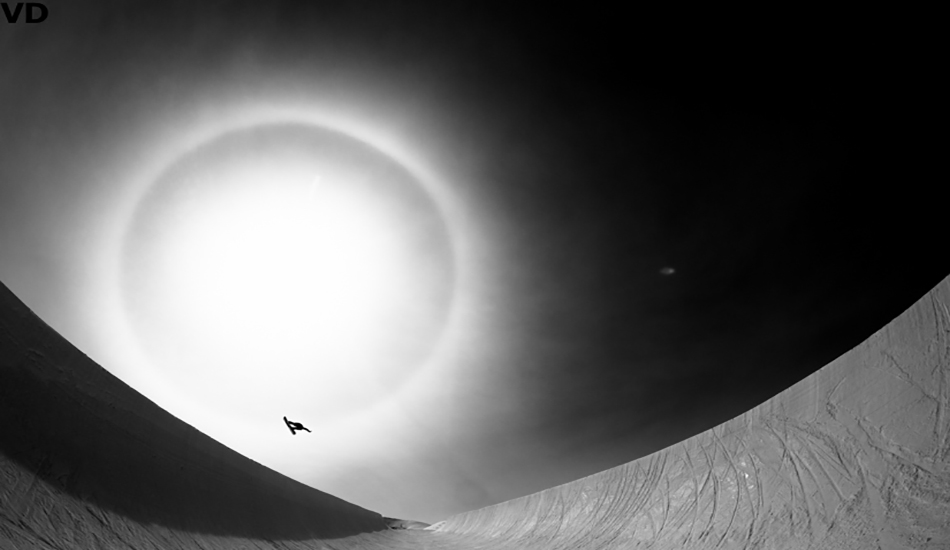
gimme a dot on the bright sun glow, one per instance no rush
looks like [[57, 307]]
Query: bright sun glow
[[329, 284], [283, 276], [269, 257]]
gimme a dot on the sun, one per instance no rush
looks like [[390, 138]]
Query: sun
[[308, 259], [285, 265]]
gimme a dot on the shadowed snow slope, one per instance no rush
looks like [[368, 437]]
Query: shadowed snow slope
[[853, 457]]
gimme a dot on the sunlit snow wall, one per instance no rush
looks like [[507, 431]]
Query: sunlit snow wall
[[856, 456]]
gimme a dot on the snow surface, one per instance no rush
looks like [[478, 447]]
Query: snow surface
[[856, 456]]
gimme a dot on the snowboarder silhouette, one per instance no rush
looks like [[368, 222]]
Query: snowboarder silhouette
[[295, 426]]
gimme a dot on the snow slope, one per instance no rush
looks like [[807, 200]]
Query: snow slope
[[855, 456]]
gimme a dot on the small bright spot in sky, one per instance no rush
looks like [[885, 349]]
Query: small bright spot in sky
[[667, 271]]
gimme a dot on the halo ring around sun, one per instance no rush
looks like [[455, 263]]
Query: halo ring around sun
[[287, 263]]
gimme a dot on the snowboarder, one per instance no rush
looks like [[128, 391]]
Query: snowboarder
[[295, 426]]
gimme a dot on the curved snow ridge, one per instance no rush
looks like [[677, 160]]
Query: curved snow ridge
[[855, 456], [88, 462]]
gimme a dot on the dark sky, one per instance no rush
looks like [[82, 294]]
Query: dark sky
[[782, 166]]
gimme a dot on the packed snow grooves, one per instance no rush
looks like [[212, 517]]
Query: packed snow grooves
[[852, 457], [855, 456]]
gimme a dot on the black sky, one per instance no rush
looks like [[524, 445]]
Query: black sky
[[782, 165]]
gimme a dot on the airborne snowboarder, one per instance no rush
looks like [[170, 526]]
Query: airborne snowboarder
[[295, 426]]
